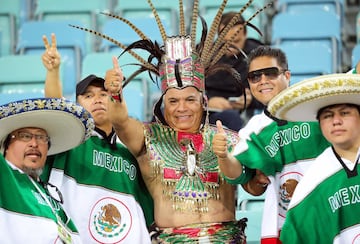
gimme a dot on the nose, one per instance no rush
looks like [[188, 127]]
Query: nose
[[33, 142], [181, 106], [262, 78], [98, 99], [337, 119]]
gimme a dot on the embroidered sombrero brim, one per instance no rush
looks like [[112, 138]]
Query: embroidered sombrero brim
[[302, 101], [66, 123]]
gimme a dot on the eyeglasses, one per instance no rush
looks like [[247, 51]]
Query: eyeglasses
[[27, 136], [270, 73]]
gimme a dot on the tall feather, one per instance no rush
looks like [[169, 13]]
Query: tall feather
[[119, 44], [200, 46], [158, 21], [194, 23], [182, 19], [223, 33], [213, 30], [219, 53]]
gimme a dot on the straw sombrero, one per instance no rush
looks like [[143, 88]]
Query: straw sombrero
[[302, 101], [66, 123]]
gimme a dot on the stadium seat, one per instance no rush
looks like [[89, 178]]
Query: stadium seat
[[309, 26], [135, 101], [167, 10], [87, 13], [121, 32], [246, 201], [355, 56], [251, 207], [21, 74], [9, 20], [300, 6], [253, 228], [358, 27], [10, 97], [308, 59], [70, 44]]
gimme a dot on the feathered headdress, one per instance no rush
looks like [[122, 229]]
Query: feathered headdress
[[180, 62]]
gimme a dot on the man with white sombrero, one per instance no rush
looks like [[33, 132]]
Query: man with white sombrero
[[32, 129], [325, 206]]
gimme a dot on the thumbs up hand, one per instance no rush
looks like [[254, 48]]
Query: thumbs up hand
[[219, 142], [114, 78]]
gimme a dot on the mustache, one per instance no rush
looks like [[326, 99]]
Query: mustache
[[33, 151]]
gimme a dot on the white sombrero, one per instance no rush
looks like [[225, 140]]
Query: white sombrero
[[66, 123], [302, 101]]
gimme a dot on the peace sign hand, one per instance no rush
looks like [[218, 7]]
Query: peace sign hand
[[51, 57]]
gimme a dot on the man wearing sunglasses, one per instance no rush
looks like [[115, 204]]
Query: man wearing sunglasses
[[279, 150]]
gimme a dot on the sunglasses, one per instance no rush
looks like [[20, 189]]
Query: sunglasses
[[270, 73]]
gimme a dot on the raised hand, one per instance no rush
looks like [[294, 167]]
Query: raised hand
[[114, 78], [51, 57], [219, 142]]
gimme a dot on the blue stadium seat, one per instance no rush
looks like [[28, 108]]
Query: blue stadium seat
[[246, 201], [70, 44], [355, 56], [96, 63], [301, 6], [167, 10], [10, 97], [251, 207], [310, 26], [308, 59], [21, 74], [121, 32], [87, 13], [9, 21], [358, 27], [0, 43], [135, 101], [253, 228]]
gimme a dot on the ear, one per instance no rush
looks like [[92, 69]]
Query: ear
[[204, 101], [288, 76]]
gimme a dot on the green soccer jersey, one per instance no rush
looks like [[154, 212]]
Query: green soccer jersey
[[104, 192], [25, 215], [326, 205], [283, 150]]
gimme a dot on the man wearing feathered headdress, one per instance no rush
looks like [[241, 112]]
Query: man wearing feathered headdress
[[192, 200]]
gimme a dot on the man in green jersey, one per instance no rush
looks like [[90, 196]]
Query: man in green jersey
[[325, 206], [32, 129], [109, 199], [278, 148]]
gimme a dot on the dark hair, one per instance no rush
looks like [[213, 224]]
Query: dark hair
[[6, 144], [333, 105], [226, 18], [268, 51]]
